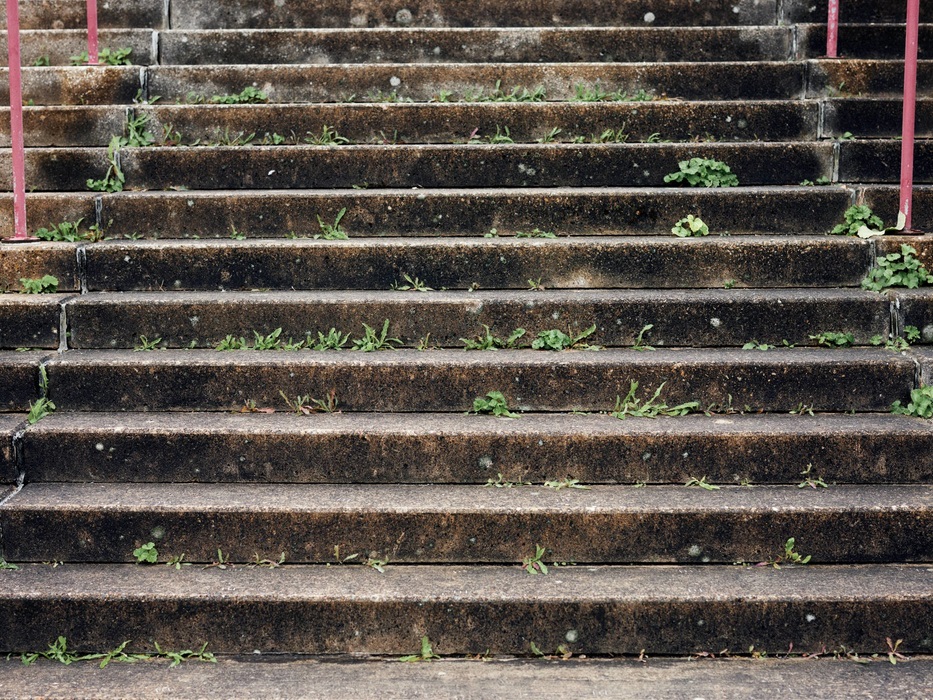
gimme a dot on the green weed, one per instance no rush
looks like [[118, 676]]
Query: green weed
[[47, 284], [373, 340], [703, 172], [633, 407], [897, 270], [488, 341], [690, 226], [493, 403]]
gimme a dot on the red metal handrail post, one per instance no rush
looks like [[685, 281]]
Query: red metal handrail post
[[910, 112], [92, 53], [832, 30], [16, 122]]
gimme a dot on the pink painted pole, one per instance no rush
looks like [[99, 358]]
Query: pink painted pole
[[832, 30], [92, 54], [910, 112], [16, 122]]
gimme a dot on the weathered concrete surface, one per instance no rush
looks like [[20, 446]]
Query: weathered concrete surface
[[863, 41], [46, 208], [30, 320], [694, 318], [502, 263], [855, 11], [574, 211], [60, 46], [371, 83], [19, 379], [880, 161], [873, 118], [352, 677], [864, 77], [464, 166], [527, 121], [65, 126], [526, 45], [467, 524], [341, 609], [449, 380], [72, 14], [884, 200], [9, 469], [96, 85], [443, 448], [34, 260], [56, 169], [202, 14]]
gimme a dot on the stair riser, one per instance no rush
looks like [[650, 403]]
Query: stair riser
[[9, 467], [184, 215], [714, 321], [862, 41], [202, 14], [436, 381], [34, 260], [268, 449], [865, 77], [372, 83], [30, 322], [527, 122], [59, 47], [105, 535], [76, 86], [72, 14], [19, 380], [874, 119], [870, 11], [304, 621], [598, 263], [478, 46], [65, 126], [880, 161]]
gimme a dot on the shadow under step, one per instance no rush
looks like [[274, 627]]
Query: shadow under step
[[340, 609]]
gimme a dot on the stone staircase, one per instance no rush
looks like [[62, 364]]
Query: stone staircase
[[290, 169]]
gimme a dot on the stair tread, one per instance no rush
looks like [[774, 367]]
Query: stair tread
[[340, 678], [299, 499]]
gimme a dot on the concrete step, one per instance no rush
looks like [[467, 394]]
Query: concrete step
[[88, 85], [444, 448], [499, 263], [30, 321], [72, 14], [236, 14], [58, 46], [450, 380], [447, 123], [19, 379], [467, 524], [864, 11], [873, 118], [592, 610], [421, 83], [678, 318], [492, 45], [10, 425], [880, 161], [864, 77], [35, 260], [329, 678], [462, 212], [481, 165], [863, 40]]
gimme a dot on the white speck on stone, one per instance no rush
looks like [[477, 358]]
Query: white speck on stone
[[723, 421], [811, 617], [99, 447], [649, 17], [194, 320], [928, 333], [694, 550], [705, 560], [715, 322], [700, 623], [271, 172], [485, 462], [437, 50], [728, 120], [403, 16], [190, 202], [158, 532], [735, 9], [395, 81], [571, 636], [741, 123], [540, 443]]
